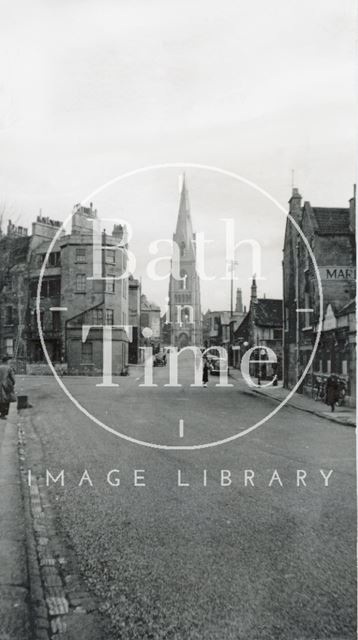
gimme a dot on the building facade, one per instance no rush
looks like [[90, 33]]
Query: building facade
[[150, 321], [220, 326], [330, 233], [70, 296], [261, 327], [183, 325]]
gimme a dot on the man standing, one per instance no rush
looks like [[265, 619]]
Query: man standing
[[205, 373], [7, 384], [332, 391]]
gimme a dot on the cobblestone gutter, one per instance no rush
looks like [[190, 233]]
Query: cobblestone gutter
[[61, 607]]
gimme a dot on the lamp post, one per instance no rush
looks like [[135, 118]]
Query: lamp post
[[233, 264]]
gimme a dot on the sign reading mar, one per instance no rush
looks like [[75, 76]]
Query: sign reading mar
[[337, 273]]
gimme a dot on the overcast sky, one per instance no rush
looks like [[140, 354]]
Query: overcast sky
[[89, 90]]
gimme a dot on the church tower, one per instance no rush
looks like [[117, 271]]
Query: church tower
[[184, 293]]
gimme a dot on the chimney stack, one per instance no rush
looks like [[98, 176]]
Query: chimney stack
[[295, 205], [352, 210]]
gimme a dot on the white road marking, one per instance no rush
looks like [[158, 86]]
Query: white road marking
[[181, 428]]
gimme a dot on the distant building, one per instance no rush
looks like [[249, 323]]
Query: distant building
[[134, 319], [330, 232], [150, 320], [69, 296], [261, 327], [216, 324], [184, 325]]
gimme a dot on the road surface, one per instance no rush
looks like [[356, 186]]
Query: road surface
[[203, 561]]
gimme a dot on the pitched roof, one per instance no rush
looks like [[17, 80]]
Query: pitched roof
[[350, 307], [332, 220], [268, 312]]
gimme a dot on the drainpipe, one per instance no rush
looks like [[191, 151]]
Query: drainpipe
[[297, 307]]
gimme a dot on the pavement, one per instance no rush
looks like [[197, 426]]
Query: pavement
[[342, 415], [14, 613], [216, 557]]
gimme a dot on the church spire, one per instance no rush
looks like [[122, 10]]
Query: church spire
[[184, 231]]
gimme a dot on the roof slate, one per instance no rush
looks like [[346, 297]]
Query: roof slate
[[331, 220], [268, 312]]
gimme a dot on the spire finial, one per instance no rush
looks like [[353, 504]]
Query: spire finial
[[181, 182]]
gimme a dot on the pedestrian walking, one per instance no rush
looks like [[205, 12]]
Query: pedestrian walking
[[205, 373], [7, 386], [332, 391]]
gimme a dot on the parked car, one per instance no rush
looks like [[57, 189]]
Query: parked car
[[216, 364], [160, 359]]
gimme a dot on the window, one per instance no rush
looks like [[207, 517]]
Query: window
[[277, 334], [307, 313], [87, 353], [9, 346], [109, 316], [182, 248], [8, 315], [81, 283], [53, 287], [50, 288], [33, 288], [98, 316], [39, 259], [111, 256], [10, 282], [125, 286], [34, 319], [54, 259], [80, 254], [56, 321], [110, 284]]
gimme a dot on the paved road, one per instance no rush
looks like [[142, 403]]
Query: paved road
[[14, 618], [209, 562]]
